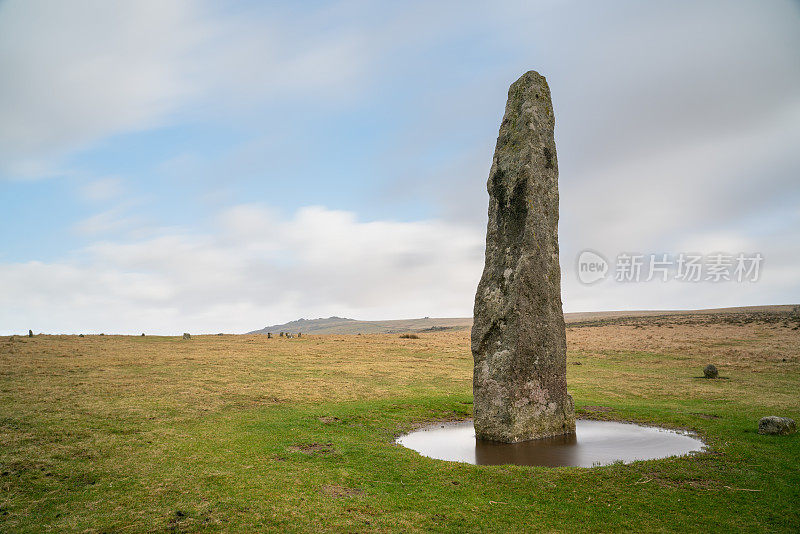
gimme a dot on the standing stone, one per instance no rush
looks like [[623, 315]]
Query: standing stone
[[269, 335], [187, 335], [518, 336], [30, 333]]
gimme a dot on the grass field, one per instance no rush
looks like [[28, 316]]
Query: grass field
[[244, 433]]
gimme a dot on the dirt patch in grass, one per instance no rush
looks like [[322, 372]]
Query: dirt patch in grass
[[329, 420], [313, 448]]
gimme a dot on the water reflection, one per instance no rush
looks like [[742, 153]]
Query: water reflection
[[594, 443], [551, 452]]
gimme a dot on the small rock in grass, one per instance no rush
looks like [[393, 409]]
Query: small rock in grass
[[710, 371], [187, 335], [778, 426]]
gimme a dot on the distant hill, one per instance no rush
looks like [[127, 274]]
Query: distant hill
[[588, 317], [341, 325]]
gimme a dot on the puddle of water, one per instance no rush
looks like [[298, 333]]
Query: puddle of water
[[594, 443]]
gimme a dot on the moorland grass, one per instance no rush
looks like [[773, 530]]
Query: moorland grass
[[241, 433]]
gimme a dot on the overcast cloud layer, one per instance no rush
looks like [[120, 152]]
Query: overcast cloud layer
[[177, 166]]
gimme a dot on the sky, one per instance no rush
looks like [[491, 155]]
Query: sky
[[193, 166]]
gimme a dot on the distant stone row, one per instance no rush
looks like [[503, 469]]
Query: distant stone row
[[187, 335], [284, 334]]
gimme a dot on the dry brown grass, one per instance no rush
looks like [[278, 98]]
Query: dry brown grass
[[641, 360], [158, 377], [726, 343]]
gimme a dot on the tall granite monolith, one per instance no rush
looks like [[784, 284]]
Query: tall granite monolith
[[518, 336]]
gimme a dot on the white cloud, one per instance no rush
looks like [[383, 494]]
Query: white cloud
[[110, 221], [117, 206], [664, 199], [256, 269], [260, 268], [75, 73], [103, 190]]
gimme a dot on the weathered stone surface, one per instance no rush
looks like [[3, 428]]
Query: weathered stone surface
[[781, 426], [187, 335], [518, 336], [710, 371]]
